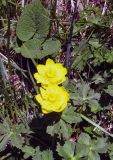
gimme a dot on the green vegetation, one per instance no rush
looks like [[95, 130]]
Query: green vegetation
[[81, 38]]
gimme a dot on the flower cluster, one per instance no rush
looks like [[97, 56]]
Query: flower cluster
[[52, 97]]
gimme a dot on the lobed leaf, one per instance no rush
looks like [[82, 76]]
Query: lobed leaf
[[34, 19]]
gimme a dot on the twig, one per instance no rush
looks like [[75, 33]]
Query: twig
[[87, 2], [12, 89], [68, 52], [96, 125], [23, 3], [8, 36], [34, 84], [11, 20], [72, 5], [104, 8]]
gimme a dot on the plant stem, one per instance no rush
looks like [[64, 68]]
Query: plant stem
[[8, 36], [68, 51], [96, 125]]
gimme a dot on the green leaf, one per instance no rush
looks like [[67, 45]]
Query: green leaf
[[109, 90], [33, 48], [88, 129], [95, 43], [84, 139], [90, 148], [55, 129], [70, 116], [60, 128], [80, 55], [2, 137], [94, 105], [98, 79], [45, 155], [21, 128], [100, 145], [67, 150], [84, 94], [93, 156], [66, 129], [94, 20], [5, 124], [16, 140], [110, 146], [3, 129], [5, 140], [111, 155], [51, 47], [37, 155], [88, 94], [109, 56], [28, 151], [82, 150], [34, 19], [85, 91]]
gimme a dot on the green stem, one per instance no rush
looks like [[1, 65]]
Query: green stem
[[6, 156], [72, 64], [96, 125], [34, 84]]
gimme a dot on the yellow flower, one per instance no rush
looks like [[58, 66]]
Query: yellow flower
[[50, 73], [53, 98]]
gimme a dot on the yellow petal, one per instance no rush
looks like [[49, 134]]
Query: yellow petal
[[43, 93], [45, 110], [38, 78], [39, 99], [61, 68], [49, 62], [41, 69], [60, 108], [36, 75]]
